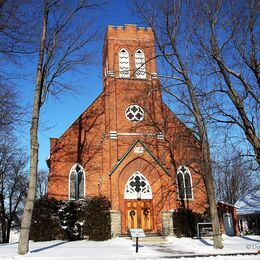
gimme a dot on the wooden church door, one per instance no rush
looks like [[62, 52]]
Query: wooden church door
[[138, 202], [139, 214]]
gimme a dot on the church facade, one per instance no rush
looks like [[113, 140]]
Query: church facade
[[128, 145]]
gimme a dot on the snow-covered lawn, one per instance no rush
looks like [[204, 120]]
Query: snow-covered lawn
[[122, 248]]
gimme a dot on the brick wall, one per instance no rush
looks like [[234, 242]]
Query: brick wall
[[89, 143]]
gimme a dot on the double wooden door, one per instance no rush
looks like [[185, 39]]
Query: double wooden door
[[139, 214]]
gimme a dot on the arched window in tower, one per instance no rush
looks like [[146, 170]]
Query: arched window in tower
[[124, 66], [140, 64], [76, 182], [137, 187], [184, 183]]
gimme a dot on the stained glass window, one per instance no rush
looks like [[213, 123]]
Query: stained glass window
[[134, 113], [138, 187], [140, 64], [76, 182], [124, 67], [184, 183], [181, 185]]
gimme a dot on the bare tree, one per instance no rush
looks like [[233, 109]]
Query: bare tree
[[42, 183], [15, 42], [62, 44], [227, 33], [13, 178], [15, 22], [13, 184], [234, 177], [11, 112], [168, 20]]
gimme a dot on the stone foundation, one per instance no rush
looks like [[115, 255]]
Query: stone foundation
[[115, 223], [167, 223]]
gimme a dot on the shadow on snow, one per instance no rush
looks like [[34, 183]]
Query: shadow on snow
[[48, 247]]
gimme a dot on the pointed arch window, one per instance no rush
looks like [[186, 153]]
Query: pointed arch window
[[184, 183], [137, 187], [140, 64], [124, 66], [76, 182]]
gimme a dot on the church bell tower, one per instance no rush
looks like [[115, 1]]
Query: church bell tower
[[129, 53], [131, 84]]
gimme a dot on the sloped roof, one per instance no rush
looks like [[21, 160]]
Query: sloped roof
[[249, 204]]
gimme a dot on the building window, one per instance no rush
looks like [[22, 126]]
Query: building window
[[134, 113], [76, 182], [137, 187], [184, 183], [124, 66], [140, 64]]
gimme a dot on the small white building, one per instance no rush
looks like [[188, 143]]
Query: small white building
[[248, 211]]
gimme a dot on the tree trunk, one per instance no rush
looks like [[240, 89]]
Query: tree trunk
[[3, 228], [3, 222], [206, 160], [217, 240], [207, 173], [8, 230], [209, 184], [34, 146]]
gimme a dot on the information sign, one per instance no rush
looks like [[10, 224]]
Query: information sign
[[204, 229], [137, 232]]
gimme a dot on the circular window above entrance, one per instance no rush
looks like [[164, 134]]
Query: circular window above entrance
[[134, 113]]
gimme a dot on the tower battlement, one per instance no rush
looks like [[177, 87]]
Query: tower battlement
[[131, 38], [128, 27], [130, 31]]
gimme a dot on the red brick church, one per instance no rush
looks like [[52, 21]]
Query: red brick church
[[128, 145]]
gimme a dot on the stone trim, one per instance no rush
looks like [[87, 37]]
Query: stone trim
[[167, 222], [115, 223], [130, 149]]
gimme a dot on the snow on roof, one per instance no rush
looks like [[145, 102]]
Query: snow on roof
[[225, 203], [249, 204]]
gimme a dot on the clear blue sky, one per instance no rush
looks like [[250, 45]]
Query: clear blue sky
[[59, 113]]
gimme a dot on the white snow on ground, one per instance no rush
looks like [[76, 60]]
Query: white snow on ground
[[122, 248], [14, 235]]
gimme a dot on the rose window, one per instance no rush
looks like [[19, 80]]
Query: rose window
[[134, 113]]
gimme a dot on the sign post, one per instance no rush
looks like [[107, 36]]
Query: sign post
[[136, 245], [137, 232]]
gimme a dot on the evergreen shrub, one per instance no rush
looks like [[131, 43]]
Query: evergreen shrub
[[185, 222], [45, 220], [71, 220], [97, 224], [68, 217]]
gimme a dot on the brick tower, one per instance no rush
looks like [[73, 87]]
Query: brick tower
[[128, 145]]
